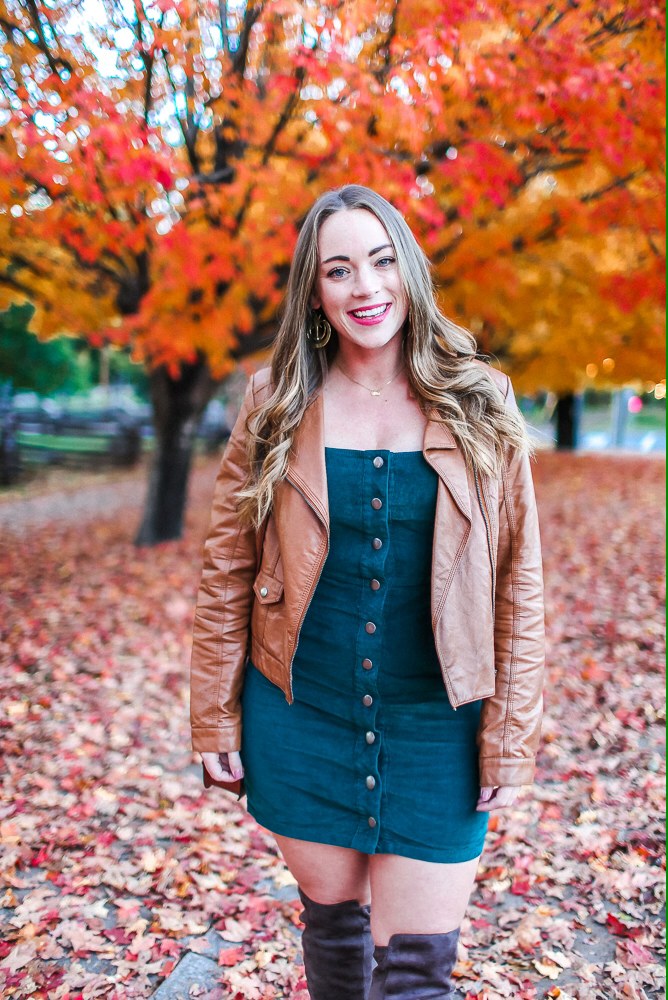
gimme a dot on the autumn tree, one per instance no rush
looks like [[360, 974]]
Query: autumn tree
[[155, 167]]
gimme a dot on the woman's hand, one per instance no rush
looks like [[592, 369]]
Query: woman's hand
[[496, 798], [223, 766]]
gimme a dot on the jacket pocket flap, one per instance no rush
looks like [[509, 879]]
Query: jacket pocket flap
[[267, 589]]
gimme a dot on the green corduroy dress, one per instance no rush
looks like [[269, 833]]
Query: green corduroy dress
[[371, 755]]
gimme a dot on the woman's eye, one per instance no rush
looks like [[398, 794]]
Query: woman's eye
[[385, 261], [336, 272]]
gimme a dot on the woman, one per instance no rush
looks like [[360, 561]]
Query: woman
[[371, 606]]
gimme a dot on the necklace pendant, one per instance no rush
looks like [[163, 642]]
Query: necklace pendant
[[375, 392]]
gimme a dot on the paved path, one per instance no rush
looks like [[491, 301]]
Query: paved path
[[81, 498]]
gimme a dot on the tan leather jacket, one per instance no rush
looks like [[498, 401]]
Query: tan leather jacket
[[486, 591]]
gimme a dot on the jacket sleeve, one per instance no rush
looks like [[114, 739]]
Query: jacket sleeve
[[510, 722], [224, 604]]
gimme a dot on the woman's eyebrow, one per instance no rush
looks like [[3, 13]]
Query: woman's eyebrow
[[371, 253]]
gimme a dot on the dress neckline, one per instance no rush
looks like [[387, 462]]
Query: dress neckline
[[374, 451]]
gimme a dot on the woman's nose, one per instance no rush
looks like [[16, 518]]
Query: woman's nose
[[366, 282]]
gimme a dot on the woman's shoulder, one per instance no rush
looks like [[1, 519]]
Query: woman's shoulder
[[499, 378], [261, 385]]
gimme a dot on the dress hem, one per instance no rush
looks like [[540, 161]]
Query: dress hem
[[462, 853]]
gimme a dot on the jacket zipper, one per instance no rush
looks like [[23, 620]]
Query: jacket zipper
[[483, 511], [314, 584]]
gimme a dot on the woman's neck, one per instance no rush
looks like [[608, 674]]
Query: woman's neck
[[372, 367]]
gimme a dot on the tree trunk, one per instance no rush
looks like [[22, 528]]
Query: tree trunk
[[178, 405], [568, 414]]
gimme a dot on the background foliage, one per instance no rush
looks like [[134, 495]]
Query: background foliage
[[157, 157], [42, 367]]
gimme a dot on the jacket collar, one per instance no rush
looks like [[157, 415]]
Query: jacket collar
[[306, 463]]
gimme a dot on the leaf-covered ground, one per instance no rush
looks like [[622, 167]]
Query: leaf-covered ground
[[114, 863]]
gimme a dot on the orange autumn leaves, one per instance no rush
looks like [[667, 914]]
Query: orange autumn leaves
[[156, 166]]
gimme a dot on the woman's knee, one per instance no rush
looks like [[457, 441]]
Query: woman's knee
[[327, 874]]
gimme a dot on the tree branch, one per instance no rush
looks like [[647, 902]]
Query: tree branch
[[222, 17], [619, 182], [615, 25], [148, 58], [252, 14], [383, 48], [187, 136], [284, 118], [43, 45]]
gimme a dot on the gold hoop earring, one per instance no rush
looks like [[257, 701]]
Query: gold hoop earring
[[319, 331]]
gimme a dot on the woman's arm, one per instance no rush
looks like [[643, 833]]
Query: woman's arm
[[510, 721], [224, 604]]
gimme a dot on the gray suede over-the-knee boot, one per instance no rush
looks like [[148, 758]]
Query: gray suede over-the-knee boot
[[337, 948], [415, 967]]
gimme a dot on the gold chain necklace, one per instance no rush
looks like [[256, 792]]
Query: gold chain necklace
[[374, 392]]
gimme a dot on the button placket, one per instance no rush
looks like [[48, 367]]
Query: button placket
[[374, 518]]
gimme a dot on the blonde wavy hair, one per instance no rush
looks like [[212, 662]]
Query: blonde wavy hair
[[439, 356]]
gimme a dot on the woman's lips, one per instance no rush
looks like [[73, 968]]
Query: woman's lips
[[370, 315]]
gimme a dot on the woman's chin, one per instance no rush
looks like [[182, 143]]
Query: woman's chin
[[368, 337]]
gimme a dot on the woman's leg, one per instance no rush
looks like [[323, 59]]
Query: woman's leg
[[337, 944], [417, 909], [327, 873], [418, 897]]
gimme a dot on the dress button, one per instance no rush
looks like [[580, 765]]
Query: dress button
[[376, 503], [371, 821], [377, 543], [370, 782], [370, 738], [378, 462], [374, 584], [367, 663], [370, 628], [367, 700], [263, 591]]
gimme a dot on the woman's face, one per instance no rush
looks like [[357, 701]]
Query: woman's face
[[358, 286]]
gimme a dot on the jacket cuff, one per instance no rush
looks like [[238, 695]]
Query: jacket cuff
[[214, 740], [513, 771]]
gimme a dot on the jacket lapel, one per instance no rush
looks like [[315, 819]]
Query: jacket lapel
[[306, 463], [440, 450], [307, 471], [453, 522]]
